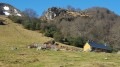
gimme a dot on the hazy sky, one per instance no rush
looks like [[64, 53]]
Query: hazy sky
[[41, 5]]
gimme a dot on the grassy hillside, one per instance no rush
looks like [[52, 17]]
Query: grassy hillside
[[15, 36], [14, 33]]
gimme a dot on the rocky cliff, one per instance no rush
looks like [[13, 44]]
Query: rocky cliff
[[54, 12]]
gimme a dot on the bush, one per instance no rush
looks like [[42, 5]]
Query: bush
[[37, 26], [58, 36], [50, 30], [28, 23], [16, 19], [48, 34], [78, 41], [70, 40]]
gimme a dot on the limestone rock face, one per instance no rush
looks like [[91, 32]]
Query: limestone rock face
[[6, 9], [54, 12]]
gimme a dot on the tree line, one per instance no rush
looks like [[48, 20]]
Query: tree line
[[31, 21]]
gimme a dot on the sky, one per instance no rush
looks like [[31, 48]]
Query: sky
[[42, 5]]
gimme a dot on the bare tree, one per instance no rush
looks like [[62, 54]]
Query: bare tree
[[69, 7], [30, 13]]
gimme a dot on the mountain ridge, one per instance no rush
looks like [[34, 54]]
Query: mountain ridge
[[7, 9]]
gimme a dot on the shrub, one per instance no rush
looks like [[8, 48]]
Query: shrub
[[70, 40], [37, 26], [48, 34], [26, 24], [58, 36], [50, 30], [79, 42], [16, 19]]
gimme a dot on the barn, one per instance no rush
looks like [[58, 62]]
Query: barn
[[95, 47]]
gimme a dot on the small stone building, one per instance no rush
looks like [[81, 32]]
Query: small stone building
[[92, 46]]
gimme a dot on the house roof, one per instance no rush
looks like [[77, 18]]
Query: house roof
[[101, 46]]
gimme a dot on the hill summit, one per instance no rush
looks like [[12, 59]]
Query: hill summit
[[6, 9]]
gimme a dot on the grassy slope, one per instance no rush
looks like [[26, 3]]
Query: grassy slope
[[13, 35]]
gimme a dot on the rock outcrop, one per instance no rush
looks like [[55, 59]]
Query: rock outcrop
[[54, 12]]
